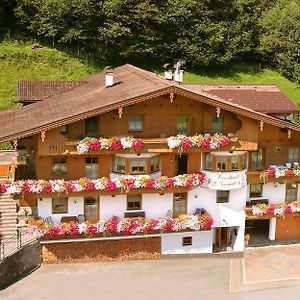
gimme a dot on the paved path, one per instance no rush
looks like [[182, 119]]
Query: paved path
[[174, 279]]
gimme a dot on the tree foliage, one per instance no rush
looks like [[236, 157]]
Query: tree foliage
[[206, 32]]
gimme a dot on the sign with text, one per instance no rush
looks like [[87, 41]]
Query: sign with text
[[225, 181]]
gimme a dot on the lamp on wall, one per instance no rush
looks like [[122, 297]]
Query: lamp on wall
[[161, 193], [75, 201], [113, 196]]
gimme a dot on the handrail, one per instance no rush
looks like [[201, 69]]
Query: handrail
[[14, 243]]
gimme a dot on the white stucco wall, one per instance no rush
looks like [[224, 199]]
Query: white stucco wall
[[171, 243], [156, 206], [112, 206], [74, 209]]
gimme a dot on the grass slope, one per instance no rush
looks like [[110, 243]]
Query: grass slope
[[18, 61], [243, 74]]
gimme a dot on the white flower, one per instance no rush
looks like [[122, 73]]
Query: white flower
[[82, 228], [105, 144], [256, 211], [127, 142], [82, 148], [279, 211], [174, 141]]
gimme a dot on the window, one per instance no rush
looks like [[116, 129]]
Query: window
[[222, 196], [119, 165], [217, 125], [243, 162], [59, 165], [135, 123], [293, 154], [134, 202], [221, 163], [154, 164], [138, 166], [208, 161], [256, 190], [257, 159], [234, 163], [91, 127], [187, 241], [59, 205], [179, 204], [291, 192], [91, 167], [182, 125]]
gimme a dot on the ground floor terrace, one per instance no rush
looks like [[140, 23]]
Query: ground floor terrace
[[257, 275]]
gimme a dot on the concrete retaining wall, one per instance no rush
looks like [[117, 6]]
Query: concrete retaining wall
[[20, 263]]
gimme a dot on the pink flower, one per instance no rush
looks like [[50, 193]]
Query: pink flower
[[95, 145], [169, 182], [90, 186], [26, 188], [92, 229], [186, 143], [288, 210], [205, 143], [47, 188], [74, 229], [110, 185], [116, 144], [270, 210], [225, 141], [138, 144], [3, 188], [271, 172]]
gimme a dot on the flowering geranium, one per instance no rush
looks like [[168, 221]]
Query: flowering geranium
[[114, 144], [279, 171], [122, 183], [206, 141], [279, 210], [124, 226]]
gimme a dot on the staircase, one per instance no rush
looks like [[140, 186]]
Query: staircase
[[8, 216]]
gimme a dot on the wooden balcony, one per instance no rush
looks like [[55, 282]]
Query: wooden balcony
[[253, 176]]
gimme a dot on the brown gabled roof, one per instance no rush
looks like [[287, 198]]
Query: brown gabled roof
[[89, 99], [262, 98], [33, 91], [132, 85]]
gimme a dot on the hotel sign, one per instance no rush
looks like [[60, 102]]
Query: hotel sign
[[225, 181]]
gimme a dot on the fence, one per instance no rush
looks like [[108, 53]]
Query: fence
[[16, 242]]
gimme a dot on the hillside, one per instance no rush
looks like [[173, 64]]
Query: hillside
[[18, 61]]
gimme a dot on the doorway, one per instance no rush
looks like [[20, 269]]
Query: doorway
[[181, 164], [91, 209], [222, 239], [258, 232]]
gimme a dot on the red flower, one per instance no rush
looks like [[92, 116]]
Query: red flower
[[186, 143], [208, 223], [169, 182], [92, 229], [47, 188], [138, 144], [95, 145], [289, 173], [201, 177], [116, 144], [74, 229], [150, 184], [26, 189]]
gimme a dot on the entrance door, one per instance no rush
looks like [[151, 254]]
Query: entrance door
[[222, 240], [181, 164], [91, 209]]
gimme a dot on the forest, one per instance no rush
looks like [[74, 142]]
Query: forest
[[203, 32]]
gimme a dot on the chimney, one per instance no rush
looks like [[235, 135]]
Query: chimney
[[168, 71], [179, 69], [109, 76]]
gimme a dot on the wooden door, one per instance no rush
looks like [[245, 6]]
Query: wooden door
[[91, 209]]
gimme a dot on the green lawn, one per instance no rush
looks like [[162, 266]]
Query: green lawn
[[245, 74], [18, 61]]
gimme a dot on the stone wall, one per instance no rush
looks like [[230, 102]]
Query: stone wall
[[19, 264], [105, 250]]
